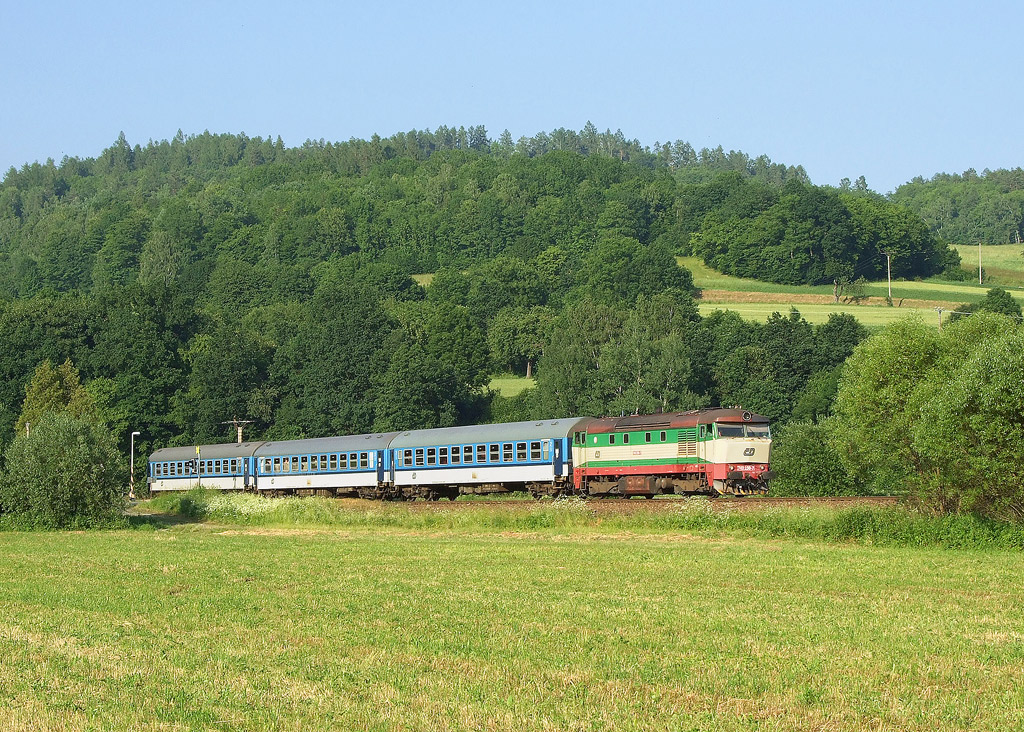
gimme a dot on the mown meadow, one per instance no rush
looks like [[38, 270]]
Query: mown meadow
[[307, 614], [756, 300]]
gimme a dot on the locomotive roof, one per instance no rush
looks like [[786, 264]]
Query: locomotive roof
[[345, 443], [206, 452], [505, 432], [674, 420]]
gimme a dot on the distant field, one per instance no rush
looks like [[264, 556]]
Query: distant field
[[1004, 263], [509, 386], [207, 627], [871, 317], [731, 293]]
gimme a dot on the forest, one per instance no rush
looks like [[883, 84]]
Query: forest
[[969, 208], [219, 276]]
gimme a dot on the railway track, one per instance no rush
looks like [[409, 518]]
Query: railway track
[[632, 505]]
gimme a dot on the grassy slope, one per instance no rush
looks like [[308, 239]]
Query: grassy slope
[[269, 629], [508, 385], [1004, 264], [781, 297]]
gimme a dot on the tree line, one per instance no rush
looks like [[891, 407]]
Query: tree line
[[969, 207]]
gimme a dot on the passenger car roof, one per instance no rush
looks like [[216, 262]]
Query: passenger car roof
[[206, 452], [313, 445], [503, 432]]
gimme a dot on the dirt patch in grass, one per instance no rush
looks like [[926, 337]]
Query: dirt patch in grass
[[783, 299]]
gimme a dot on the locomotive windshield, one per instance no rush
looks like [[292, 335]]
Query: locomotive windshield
[[743, 430]]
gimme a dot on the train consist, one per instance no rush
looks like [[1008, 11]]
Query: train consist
[[707, 451]]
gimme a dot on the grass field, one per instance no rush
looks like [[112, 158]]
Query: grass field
[[872, 317], [222, 627], [1004, 263], [508, 385], [757, 300]]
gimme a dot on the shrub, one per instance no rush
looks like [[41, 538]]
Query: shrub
[[807, 463], [65, 474]]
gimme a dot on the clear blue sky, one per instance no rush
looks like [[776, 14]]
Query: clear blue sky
[[888, 90]]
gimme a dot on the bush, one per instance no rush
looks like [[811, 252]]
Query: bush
[[66, 474], [806, 463]]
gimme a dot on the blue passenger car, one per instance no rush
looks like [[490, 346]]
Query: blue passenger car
[[217, 467], [351, 465], [514, 456]]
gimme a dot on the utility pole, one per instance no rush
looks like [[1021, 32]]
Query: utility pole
[[979, 262], [131, 468], [238, 426], [888, 274], [939, 310]]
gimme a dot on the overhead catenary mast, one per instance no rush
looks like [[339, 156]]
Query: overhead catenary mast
[[238, 426]]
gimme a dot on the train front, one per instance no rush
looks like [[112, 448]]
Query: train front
[[738, 453]]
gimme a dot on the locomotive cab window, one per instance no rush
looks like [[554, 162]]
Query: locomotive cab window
[[625, 439], [647, 436], [664, 436], [611, 439], [729, 430]]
